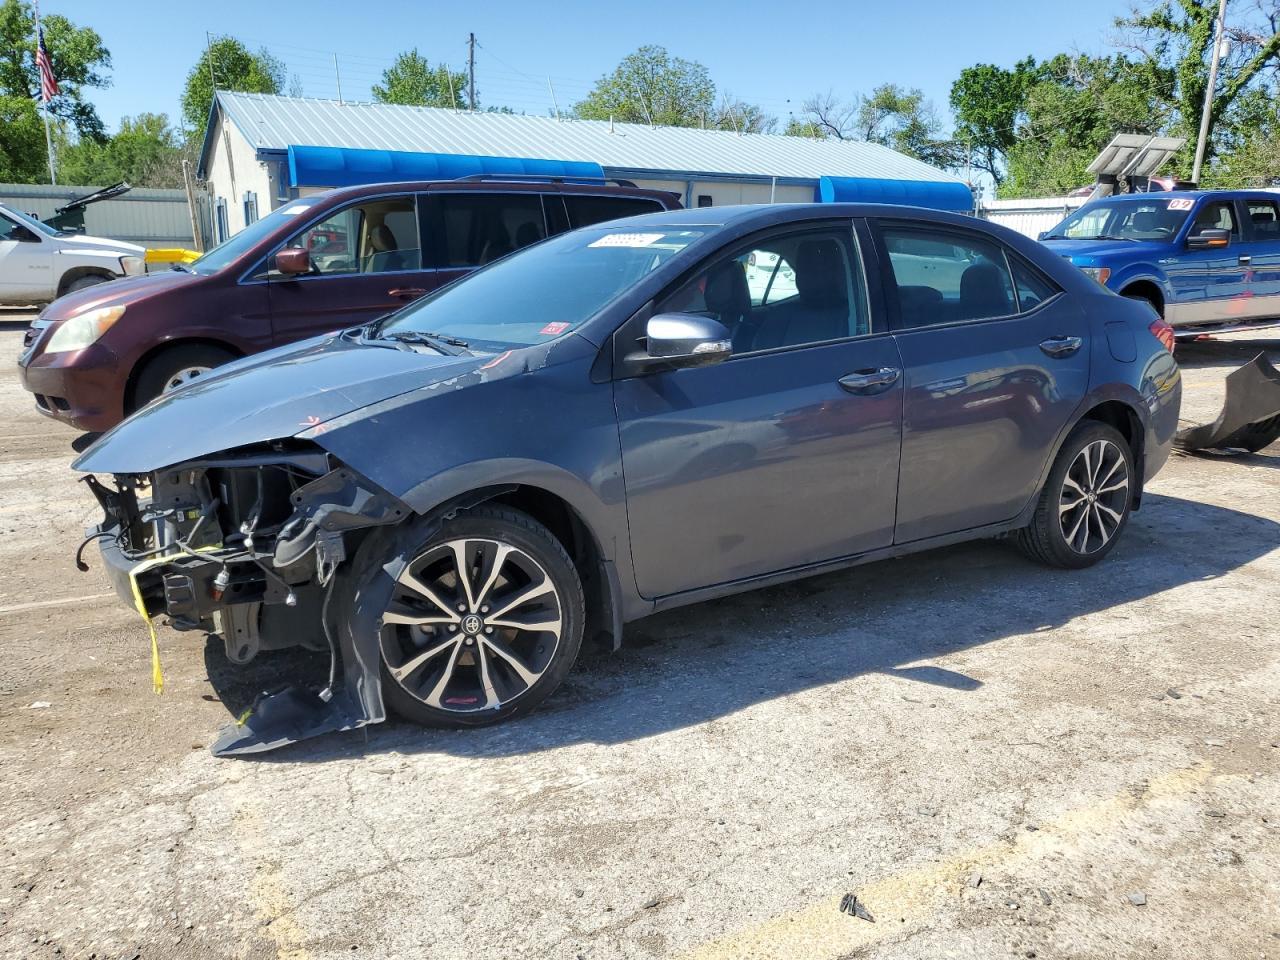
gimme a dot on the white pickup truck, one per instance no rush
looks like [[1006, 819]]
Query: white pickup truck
[[39, 264]]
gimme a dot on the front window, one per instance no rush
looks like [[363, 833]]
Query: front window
[[787, 290], [545, 291], [234, 248], [380, 236], [27, 221], [1129, 219]]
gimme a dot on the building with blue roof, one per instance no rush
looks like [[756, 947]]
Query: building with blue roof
[[261, 150]]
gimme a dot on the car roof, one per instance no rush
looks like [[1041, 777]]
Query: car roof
[[746, 216], [517, 185], [1256, 194]]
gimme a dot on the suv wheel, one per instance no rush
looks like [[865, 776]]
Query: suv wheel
[[483, 623], [1085, 503]]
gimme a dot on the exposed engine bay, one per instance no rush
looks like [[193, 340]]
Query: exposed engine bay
[[247, 546]]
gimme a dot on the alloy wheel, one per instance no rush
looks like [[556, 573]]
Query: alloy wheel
[[1095, 496], [472, 625], [180, 378]]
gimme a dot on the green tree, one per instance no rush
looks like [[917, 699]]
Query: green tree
[[735, 114], [987, 102], [412, 80], [803, 128], [1075, 105], [1177, 36], [146, 152], [235, 68], [650, 86], [22, 146], [890, 115], [79, 60]]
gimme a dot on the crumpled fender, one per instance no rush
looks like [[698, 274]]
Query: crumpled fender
[[1250, 417]]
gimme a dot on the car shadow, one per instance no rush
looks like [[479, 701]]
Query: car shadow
[[695, 664]]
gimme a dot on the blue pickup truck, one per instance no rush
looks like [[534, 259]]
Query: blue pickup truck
[[1207, 261]]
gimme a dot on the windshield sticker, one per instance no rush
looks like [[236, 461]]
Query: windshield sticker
[[554, 328], [626, 240], [1180, 203], [295, 209]]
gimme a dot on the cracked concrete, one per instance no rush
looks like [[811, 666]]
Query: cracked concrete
[[713, 791]]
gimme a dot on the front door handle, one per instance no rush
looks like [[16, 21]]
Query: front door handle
[[1060, 347], [407, 293], [867, 382], [1244, 260]]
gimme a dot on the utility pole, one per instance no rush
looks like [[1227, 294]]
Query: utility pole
[[208, 46], [1219, 36], [471, 69]]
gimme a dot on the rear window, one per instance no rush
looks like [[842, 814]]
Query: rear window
[[586, 210], [482, 227]]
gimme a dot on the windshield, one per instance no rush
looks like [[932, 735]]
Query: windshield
[[32, 222], [235, 247], [1140, 218], [544, 291]]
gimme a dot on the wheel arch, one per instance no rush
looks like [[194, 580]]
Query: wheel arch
[[72, 274], [1147, 288], [164, 346], [600, 582], [1123, 415]]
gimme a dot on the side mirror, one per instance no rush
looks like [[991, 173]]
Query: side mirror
[[293, 260], [1042, 234], [677, 340], [1209, 239], [24, 235]]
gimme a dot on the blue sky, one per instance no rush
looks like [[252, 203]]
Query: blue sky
[[773, 54]]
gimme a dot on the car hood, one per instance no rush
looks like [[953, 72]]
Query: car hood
[[123, 291], [269, 396], [74, 242], [1093, 251]]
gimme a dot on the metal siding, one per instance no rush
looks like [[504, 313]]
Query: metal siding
[[276, 123], [1030, 217], [155, 218]]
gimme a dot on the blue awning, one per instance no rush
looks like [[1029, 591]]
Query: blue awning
[[915, 193], [345, 166]]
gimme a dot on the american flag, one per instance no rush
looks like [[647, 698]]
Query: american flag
[[48, 83]]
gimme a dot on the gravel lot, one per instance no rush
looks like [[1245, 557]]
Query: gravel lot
[[998, 760]]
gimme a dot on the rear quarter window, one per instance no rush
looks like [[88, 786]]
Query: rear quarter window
[[587, 210]]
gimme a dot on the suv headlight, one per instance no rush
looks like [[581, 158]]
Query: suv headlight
[[132, 266], [1101, 274], [80, 331]]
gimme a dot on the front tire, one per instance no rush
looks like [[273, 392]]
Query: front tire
[[483, 623], [176, 367], [1085, 503]]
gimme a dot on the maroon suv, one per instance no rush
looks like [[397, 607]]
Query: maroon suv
[[315, 264]]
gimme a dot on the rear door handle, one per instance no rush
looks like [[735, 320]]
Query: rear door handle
[[406, 292], [867, 382], [1060, 347]]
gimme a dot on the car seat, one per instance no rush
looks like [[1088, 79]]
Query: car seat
[[984, 292], [386, 254]]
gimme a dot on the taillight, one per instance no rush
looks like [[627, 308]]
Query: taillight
[[1161, 330]]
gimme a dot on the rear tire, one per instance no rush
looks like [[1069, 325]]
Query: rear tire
[[1085, 503], [497, 658], [174, 368]]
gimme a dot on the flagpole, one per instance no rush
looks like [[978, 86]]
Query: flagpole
[[44, 106]]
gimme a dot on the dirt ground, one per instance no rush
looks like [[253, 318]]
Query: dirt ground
[[998, 761]]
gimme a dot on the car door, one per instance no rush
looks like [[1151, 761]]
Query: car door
[[783, 455], [366, 260], [995, 362], [26, 264], [1220, 286], [1260, 255]]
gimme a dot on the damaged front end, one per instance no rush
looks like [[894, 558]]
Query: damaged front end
[[247, 545]]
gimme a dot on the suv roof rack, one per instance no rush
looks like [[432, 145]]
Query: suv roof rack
[[541, 178]]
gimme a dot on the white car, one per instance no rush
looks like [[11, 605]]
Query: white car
[[39, 264]]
